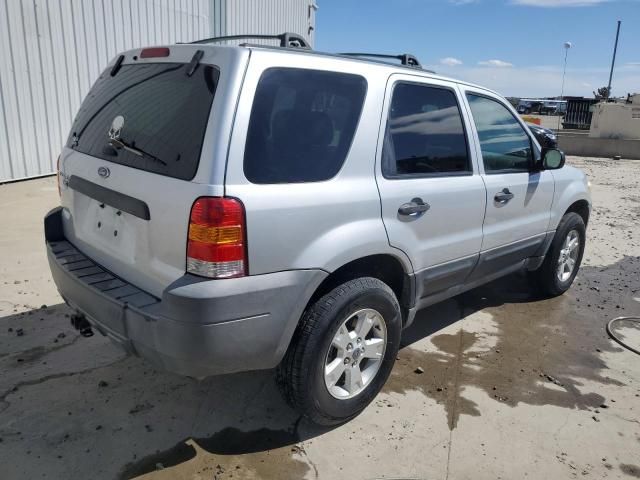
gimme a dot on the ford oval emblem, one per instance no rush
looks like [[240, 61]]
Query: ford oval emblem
[[104, 172]]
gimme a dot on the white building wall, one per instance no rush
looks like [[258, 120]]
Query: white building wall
[[51, 52], [616, 120], [264, 17]]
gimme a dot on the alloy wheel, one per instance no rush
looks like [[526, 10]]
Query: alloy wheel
[[568, 256], [355, 354]]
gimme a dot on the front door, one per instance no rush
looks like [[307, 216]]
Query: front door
[[432, 195], [519, 195]]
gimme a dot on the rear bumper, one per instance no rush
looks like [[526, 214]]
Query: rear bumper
[[199, 327]]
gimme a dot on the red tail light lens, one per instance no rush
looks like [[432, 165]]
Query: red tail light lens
[[154, 52], [216, 245]]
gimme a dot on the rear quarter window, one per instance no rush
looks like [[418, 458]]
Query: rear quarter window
[[164, 115], [302, 124]]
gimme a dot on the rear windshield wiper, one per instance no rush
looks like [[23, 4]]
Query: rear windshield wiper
[[117, 142]]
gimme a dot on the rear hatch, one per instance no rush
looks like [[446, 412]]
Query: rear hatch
[[143, 147]]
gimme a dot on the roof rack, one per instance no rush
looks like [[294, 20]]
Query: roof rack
[[287, 40], [405, 58]]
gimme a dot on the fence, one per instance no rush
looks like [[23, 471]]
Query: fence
[[579, 113]]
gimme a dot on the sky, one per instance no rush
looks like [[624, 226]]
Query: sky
[[513, 46]]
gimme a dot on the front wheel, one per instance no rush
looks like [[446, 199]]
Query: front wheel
[[342, 352], [562, 262]]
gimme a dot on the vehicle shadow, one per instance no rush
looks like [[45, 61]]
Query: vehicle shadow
[[514, 288], [64, 394], [245, 431], [155, 420]]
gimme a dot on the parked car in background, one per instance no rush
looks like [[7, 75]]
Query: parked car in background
[[541, 106], [545, 136], [232, 208], [553, 107], [526, 107]]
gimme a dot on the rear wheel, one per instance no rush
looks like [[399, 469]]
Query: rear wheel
[[562, 262], [342, 352]]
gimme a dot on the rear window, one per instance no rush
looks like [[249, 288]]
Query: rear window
[[148, 116], [302, 124]]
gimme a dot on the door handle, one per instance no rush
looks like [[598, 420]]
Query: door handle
[[504, 196], [414, 207]]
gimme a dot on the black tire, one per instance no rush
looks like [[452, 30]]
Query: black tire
[[300, 375], [546, 277]]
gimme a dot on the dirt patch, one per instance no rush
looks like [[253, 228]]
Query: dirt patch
[[230, 453], [630, 470], [35, 354], [544, 348]]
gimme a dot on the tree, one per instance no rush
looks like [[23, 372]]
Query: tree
[[602, 93]]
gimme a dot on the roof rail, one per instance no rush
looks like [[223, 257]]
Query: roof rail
[[405, 58], [287, 39]]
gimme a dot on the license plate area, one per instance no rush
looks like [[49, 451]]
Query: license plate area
[[106, 228], [109, 223]]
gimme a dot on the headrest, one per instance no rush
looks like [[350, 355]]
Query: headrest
[[282, 125], [319, 130], [303, 128]]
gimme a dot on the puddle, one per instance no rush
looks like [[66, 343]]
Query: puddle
[[542, 351], [441, 377], [230, 453]]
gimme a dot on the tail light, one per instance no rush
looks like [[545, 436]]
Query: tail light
[[155, 52], [216, 246], [58, 176]]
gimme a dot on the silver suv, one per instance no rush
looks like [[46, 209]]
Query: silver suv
[[231, 208]]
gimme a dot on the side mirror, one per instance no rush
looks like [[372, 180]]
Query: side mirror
[[552, 159]]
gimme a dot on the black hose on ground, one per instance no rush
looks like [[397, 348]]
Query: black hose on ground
[[615, 338]]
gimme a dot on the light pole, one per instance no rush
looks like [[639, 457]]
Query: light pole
[[613, 61], [567, 46]]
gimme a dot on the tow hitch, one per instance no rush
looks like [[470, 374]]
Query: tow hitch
[[80, 323]]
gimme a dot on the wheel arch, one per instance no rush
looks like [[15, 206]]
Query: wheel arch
[[571, 195], [385, 267], [582, 208]]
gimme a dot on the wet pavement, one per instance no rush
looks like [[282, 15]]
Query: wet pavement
[[495, 383]]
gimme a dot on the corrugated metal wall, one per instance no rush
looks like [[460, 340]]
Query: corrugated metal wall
[[52, 51], [263, 17]]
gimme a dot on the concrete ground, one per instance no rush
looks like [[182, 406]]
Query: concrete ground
[[513, 387]]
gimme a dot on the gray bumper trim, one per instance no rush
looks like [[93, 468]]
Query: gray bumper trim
[[199, 327]]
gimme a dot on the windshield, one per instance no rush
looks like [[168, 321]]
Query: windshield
[[150, 116]]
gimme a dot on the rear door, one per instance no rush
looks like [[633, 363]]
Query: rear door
[[432, 196], [519, 196], [142, 148], [301, 160]]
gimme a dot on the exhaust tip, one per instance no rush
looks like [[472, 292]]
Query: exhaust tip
[[80, 323], [86, 332]]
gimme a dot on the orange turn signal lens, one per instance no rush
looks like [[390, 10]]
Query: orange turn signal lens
[[216, 246], [218, 235]]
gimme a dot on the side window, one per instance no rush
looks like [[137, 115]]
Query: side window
[[506, 147], [302, 124], [425, 134]]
